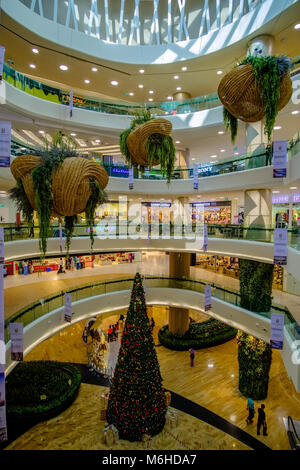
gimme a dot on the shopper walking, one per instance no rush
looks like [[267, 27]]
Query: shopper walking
[[261, 422], [250, 408], [152, 323], [192, 356]]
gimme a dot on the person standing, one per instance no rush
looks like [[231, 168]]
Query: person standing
[[261, 421], [152, 323], [109, 333], [250, 408], [192, 356], [269, 155]]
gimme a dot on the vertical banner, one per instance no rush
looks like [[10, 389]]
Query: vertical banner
[[71, 103], [279, 158], [130, 177], [3, 428], [207, 298], [68, 307], [5, 143], [16, 337], [2, 52], [205, 238], [196, 176], [60, 238], [280, 246], [277, 330]]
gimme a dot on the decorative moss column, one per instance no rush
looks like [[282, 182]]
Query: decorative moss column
[[179, 267], [254, 355]]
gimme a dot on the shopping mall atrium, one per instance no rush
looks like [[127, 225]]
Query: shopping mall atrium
[[150, 225]]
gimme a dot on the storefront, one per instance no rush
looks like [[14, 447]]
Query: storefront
[[214, 212], [280, 211], [156, 212]]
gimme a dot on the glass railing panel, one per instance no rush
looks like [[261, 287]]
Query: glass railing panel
[[56, 302]]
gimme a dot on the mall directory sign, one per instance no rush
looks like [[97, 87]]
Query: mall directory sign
[[277, 330]]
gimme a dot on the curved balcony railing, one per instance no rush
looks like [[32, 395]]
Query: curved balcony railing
[[111, 230], [38, 309]]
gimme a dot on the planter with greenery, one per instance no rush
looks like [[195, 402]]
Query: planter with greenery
[[255, 357], [256, 285], [148, 143], [257, 87], [57, 182], [199, 335]]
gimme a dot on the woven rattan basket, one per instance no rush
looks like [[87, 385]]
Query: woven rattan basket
[[70, 182], [240, 96], [137, 139]]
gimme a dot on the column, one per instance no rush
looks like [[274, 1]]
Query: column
[[258, 213], [179, 267]]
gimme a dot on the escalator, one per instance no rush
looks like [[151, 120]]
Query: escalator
[[293, 432]]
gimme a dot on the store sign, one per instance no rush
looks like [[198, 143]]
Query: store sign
[[279, 158], [296, 198], [2, 52], [207, 298], [120, 171], [160, 204], [196, 175], [130, 176], [5, 143], [277, 330], [71, 103], [16, 337], [205, 169], [282, 199], [280, 246], [68, 307]]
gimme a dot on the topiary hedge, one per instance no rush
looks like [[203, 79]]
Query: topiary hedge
[[256, 281], [40, 390], [199, 335]]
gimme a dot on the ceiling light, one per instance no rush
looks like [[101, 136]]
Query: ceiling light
[[219, 72], [141, 70], [169, 97], [63, 67], [276, 128], [214, 161], [220, 132], [177, 142], [222, 150], [210, 365], [275, 192], [97, 141], [35, 50], [184, 69], [86, 81], [41, 132], [176, 77], [73, 134], [131, 94], [213, 156], [297, 26], [150, 99], [114, 83], [293, 187], [193, 159], [32, 66], [94, 69], [151, 92], [141, 86], [295, 112], [178, 88]]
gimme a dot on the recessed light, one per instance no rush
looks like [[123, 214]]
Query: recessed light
[[210, 365], [176, 77], [295, 112], [222, 150], [178, 88], [41, 132], [86, 81], [293, 187], [151, 92], [32, 66], [297, 26], [97, 141], [193, 159], [276, 128], [150, 99], [131, 94], [177, 142], [214, 161], [141, 86], [73, 134], [219, 72], [63, 67], [114, 83], [94, 69], [220, 132], [275, 192], [35, 50], [184, 69], [213, 156], [169, 97], [141, 70]]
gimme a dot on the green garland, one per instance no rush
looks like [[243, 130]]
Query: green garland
[[158, 146], [97, 197], [230, 122], [254, 357], [70, 221], [18, 195]]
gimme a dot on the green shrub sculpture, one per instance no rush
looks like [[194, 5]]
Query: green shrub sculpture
[[256, 285]]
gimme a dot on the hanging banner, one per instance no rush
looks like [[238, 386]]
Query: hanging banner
[[207, 298], [60, 238], [3, 428], [277, 330], [196, 176], [130, 177], [280, 246], [16, 337], [68, 307], [71, 103], [279, 158], [205, 238], [1, 245], [5, 143], [2, 389], [2, 52]]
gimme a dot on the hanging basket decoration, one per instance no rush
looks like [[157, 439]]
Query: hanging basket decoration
[[148, 143], [58, 183], [258, 87]]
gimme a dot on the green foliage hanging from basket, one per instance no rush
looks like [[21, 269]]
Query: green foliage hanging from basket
[[257, 87], [58, 182], [148, 143]]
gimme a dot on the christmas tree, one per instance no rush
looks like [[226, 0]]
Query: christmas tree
[[137, 403]]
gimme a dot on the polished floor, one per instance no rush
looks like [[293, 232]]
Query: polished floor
[[212, 383]]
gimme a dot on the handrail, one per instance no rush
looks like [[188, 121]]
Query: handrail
[[291, 422], [38, 309]]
